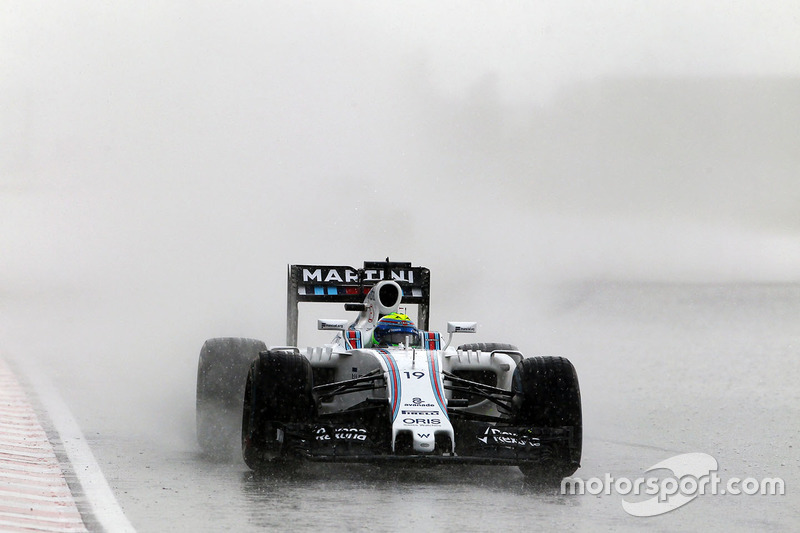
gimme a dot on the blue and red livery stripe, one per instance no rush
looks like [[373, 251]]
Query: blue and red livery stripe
[[432, 338], [391, 364], [433, 365], [353, 339]]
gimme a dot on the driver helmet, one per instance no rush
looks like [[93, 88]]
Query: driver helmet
[[394, 329]]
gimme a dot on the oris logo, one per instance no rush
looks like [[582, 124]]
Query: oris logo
[[422, 421]]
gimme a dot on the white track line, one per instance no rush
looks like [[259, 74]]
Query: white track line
[[104, 506]]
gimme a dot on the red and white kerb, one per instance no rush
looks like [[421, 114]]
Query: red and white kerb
[[34, 495]]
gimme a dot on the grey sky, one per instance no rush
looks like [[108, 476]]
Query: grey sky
[[544, 45], [632, 138], [528, 44]]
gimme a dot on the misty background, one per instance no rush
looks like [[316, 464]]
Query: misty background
[[162, 163]]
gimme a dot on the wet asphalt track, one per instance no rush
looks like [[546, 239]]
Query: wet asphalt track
[[665, 369]]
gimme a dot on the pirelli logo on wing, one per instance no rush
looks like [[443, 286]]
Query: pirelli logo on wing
[[349, 275]]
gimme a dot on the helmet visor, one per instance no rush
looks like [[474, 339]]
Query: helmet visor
[[394, 336]]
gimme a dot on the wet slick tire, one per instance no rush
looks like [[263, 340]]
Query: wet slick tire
[[221, 374], [547, 395], [278, 391]]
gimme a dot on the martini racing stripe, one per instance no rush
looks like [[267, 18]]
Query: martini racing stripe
[[436, 382], [317, 290], [432, 339], [391, 364], [353, 339], [332, 290]]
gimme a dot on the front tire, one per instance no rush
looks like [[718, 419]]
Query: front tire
[[278, 391], [547, 395]]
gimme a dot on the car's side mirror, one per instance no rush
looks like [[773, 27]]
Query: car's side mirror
[[327, 324], [460, 327]]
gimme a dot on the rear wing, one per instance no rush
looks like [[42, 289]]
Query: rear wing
[[345, 284]]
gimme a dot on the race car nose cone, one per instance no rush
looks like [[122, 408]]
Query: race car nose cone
[[424, 442]]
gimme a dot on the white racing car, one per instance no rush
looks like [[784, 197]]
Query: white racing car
[[385, 390]]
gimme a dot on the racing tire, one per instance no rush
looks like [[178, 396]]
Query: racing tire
[[547, 395], [278, 391], [487, 347], [221, 374]]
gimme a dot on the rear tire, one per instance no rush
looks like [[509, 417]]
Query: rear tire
[[278, 391], [547, 394], [221, 374]]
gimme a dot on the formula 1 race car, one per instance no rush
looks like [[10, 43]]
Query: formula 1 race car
[[385, 390]]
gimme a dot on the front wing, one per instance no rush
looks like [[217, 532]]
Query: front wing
[[477, 443]]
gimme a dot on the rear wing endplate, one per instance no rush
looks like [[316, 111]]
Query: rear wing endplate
[[345, 284]]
